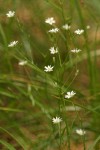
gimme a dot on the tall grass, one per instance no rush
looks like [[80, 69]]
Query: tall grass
[[31, 98]]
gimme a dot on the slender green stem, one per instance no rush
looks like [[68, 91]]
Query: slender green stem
[[59, 103], [65, 33], [83, 136], [84, 143], [59, 126], [68, 134]]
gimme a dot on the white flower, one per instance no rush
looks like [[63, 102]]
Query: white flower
[[79, 31], [70, 94], [54, 30], [80, 131], [56, 120], [13, 43], [75, 50], [10, 14], [53, 50], [48, 68], [88, 27], [50, 21], [66, 27], [22, 62]]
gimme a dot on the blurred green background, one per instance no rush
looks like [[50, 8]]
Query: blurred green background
[[28, 97]]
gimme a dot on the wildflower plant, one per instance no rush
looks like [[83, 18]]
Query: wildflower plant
[[45, 91]]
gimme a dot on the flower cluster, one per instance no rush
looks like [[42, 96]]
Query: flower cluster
[[51, 21], [53, 50]]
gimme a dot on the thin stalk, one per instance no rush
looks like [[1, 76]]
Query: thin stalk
[[68, 135], [84, 142], [60, 137], [67, 127], [60, 59], [83, 136], [64, 20], [59, 105], [95, 58], [66, 122]]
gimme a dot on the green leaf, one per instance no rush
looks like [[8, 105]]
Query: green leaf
[[7, 145], [20, 140]]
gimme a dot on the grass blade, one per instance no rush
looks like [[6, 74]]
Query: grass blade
[[7, 145], [91, 147]]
